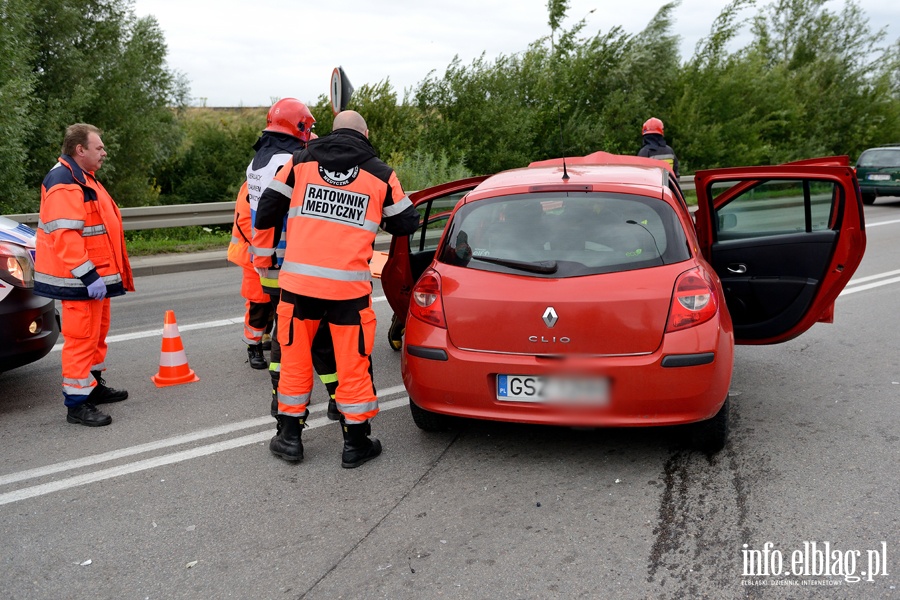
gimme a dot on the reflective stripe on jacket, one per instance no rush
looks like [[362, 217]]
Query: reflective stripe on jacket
[[335, 194], [273, 150], [80, 237], [655, 147]]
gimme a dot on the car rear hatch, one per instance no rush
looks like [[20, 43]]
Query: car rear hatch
[[536, 273], [879, 167]]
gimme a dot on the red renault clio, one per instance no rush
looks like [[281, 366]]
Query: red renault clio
[[585, 293]]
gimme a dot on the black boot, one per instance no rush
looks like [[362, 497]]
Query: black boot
[[287, 444], [358, 447], [87, 414], [102, 394], [333, 413], [256, 357]]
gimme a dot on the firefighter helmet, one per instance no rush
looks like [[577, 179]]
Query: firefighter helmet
[[653, 125], [290, 116]]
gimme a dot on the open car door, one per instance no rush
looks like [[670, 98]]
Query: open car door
[[784, 240], [409, 256]]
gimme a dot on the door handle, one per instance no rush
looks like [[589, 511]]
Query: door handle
[[737, 269]]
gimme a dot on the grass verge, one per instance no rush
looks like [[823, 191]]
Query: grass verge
[[171, 240]]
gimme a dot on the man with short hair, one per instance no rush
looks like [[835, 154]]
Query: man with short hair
[[81, 260], [336, 193]]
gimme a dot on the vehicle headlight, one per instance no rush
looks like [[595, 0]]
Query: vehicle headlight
[[16, 266]]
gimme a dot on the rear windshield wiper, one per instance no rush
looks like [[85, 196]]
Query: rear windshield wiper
[[545, 266]]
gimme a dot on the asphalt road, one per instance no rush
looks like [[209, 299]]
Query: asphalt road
[[180, 498]]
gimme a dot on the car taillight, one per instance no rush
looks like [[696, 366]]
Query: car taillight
[[16, 266], [694, 301], [427, 304]]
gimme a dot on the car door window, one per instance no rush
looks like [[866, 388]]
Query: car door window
[[433, 215], [776, 207]]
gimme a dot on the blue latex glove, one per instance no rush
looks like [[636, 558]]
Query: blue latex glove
[[97, 290]]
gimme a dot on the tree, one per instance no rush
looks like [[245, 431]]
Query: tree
[[87, 61], [16, 89], [810, 83], [211, 162]]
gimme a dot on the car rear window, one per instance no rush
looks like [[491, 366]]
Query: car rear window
[[880, 157], [559, 235]]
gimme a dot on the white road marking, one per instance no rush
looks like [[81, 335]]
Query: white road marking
[[869, 286], [859, 280], [151, 463], [892, 222]]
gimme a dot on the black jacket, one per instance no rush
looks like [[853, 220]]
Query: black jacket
[[655, 147], [341, 151]]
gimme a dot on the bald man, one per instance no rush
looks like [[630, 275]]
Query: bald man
[[350, 119], [336, 194]]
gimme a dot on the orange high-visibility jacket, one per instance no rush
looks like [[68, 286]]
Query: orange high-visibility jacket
[[239, 247], [80, 237], [336, 194]]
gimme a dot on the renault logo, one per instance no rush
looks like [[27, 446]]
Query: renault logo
[[550, 317]]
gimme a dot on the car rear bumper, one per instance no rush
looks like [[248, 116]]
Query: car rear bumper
[[18, 346], [880, 189], [642, 391]]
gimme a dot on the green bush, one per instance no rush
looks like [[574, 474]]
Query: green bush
[[420, 170]]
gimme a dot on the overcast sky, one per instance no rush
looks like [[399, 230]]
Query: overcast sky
[[236, 52]]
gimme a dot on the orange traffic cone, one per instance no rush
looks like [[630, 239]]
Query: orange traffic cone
[[173, 365]]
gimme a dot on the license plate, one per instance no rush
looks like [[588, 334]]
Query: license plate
[[878, 177], [536, 388]]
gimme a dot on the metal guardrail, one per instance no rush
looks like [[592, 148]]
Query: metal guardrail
[[154, 217], [207, 213]]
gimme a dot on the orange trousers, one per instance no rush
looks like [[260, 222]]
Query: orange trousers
[[85, 324], [352, 327], [258, 306]]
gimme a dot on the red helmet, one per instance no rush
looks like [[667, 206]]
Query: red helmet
[[290, 116], [653, 125]]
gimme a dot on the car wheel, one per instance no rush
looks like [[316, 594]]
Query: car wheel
[[395, 333], [427, 420], [868, 198], [709, 436]]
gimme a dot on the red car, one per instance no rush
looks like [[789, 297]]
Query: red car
[[587, 294]]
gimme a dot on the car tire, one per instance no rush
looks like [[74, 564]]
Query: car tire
[[395, 334], [868, 198], [427, 420], [710, 436]]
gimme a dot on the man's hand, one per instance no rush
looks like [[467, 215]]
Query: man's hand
[[97, 290], [263, 272]]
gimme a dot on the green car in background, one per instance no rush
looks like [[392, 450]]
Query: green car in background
[[878, 172]]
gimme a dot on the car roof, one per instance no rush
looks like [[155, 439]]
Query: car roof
[[883, 147], [600, 170]]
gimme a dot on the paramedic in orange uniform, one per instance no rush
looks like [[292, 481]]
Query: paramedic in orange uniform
[[336, 193], [257, 303], [289, 125], [80, 260]]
